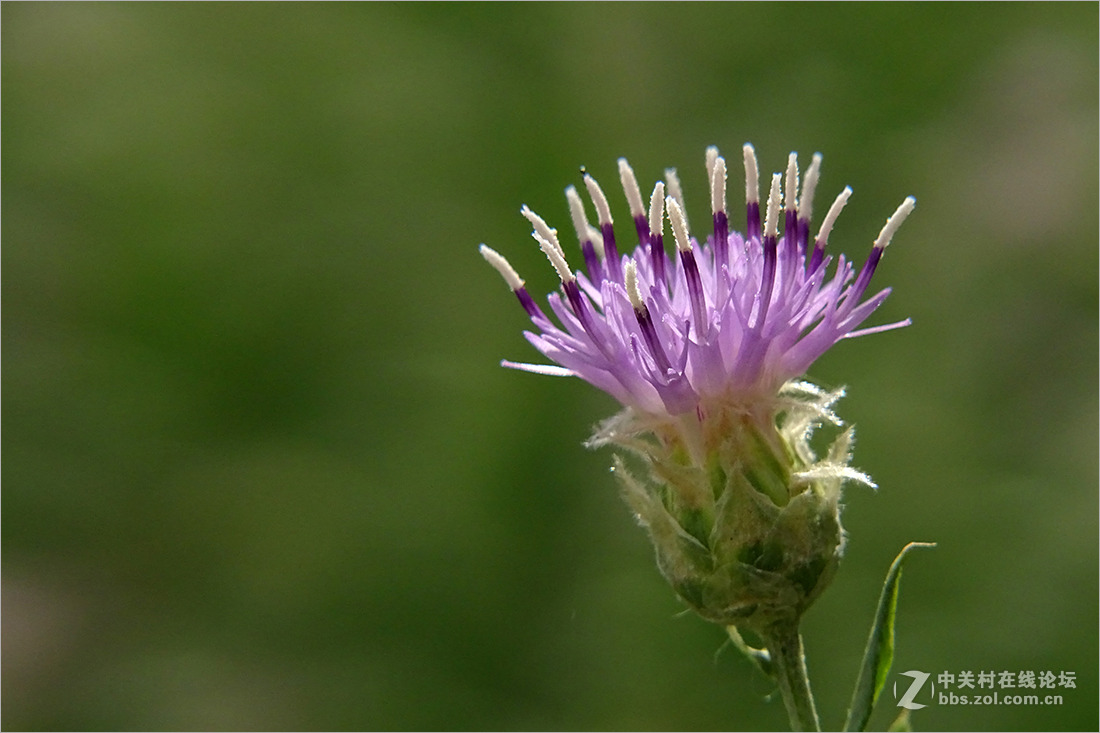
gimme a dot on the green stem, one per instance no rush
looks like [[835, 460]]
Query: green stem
[[785, 647]]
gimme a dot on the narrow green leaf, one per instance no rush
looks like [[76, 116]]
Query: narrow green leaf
[[879, 654]]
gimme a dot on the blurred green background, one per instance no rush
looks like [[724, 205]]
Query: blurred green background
[[262, 469]]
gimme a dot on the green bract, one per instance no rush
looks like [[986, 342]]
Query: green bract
[[743, 515]]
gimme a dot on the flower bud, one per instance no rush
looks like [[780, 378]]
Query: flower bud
[[744, 517]]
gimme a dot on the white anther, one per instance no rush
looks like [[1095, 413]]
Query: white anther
[[657, 210], [679, 224], [576, 210], [630, 188], [718, 186], [895, 221], [752, 175], [712, 155], [603, 211], [543, 229], [632, 290], [502, 266], [557, 259], [809, 185], [791, 202], [672, 182], [597, 241], [772, 214], [834, 212]]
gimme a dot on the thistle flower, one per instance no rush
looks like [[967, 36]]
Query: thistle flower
[[704, 350]]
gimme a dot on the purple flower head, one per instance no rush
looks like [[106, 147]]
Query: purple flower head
[[725, 322]]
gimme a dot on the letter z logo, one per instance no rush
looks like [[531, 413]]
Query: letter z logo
[[907, 699]]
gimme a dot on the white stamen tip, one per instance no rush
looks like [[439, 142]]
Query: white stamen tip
[[809, 185], [543, 229], [632, 290], [712, 155], [603, 211], [597, 241], [679, 224], [557, 259], [576, 211], [752, 175], [657, 210], [772, 215], [672, 182], [791, 204], [894, 222], [502, 266], [581, 220], [834, 212], [718, 186], [630, 188]]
